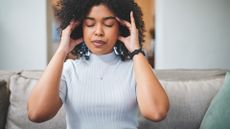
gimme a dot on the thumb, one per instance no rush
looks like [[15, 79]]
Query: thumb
[[78, 41], [121, 38], [73, 42]]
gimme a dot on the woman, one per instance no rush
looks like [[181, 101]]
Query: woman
[[110, 81]]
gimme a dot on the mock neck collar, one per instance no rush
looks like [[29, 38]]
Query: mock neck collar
[[105, 58]]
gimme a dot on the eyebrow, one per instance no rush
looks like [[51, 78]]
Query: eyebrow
[[105, 18]]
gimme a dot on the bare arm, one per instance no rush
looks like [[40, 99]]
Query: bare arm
[[152, 99], [44, 101]]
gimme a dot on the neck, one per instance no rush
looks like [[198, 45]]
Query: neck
[[105, 58]]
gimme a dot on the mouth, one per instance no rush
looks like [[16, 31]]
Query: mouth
[[98, 43]]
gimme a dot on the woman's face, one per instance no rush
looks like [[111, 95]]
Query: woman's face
[[100, 30]]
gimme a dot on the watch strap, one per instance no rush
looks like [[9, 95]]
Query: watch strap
[[135, 52]]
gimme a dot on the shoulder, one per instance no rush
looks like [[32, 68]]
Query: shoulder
[[125, 66], [127, 63], [70, 65]]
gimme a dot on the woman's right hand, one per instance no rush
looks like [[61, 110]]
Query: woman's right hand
[[67, 43], [44, 101]]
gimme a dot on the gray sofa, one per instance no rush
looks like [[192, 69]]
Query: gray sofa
[[190, 93]]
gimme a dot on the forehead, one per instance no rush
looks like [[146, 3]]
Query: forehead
[[100, 11]]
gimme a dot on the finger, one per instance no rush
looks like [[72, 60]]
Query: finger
[[73, 24], [132, 20], [124, 23], [119, 20], [121, 38], [78, 41]]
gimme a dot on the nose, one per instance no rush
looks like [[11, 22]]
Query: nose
[[99, 30]]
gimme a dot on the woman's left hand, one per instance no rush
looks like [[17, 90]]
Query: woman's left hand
[[131, 42]]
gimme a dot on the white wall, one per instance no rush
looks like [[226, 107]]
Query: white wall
[[23, 34], [192, 34]]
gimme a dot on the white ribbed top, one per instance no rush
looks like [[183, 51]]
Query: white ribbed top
[[99, 93]]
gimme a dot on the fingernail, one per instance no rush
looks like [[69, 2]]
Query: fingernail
[[117, 18]]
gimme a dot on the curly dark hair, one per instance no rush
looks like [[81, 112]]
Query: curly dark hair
[[78, 10]]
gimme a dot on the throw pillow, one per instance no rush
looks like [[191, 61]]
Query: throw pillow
[[218, 113], [20, 87], [4, 103]]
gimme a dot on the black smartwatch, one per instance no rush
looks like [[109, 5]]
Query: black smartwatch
[[135, 52]]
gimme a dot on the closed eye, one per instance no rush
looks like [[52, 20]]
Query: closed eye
[[109, 25], [109, 22], [89, 22]]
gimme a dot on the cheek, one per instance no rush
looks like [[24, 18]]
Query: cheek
[[114, 34], [86, 33]]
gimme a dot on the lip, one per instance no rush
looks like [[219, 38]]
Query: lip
[[98, 43]]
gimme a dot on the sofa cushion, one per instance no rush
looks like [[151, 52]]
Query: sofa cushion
[[4, 103], [189, 98], [218, 114], [20, 87]]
